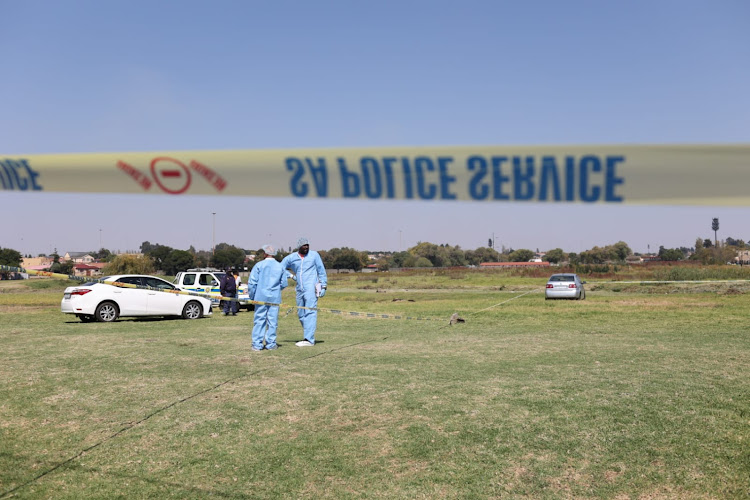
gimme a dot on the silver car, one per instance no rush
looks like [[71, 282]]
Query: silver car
[[565, 286]]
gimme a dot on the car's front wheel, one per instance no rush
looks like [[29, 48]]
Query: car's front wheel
[[192, 310], [106, 312]]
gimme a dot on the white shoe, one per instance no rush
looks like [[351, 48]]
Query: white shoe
[[304, 343]]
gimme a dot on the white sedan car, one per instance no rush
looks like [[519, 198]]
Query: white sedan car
[[102, 302]]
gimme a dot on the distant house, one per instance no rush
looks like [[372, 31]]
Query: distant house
[[743, 257], [36, 263], [88, 269], [371, 268], [538, 257], [79, 257], [514, 264]]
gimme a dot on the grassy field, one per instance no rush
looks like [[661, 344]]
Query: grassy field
[[636, 392]]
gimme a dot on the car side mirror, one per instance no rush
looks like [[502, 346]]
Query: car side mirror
[[214, 282], [583, 282]]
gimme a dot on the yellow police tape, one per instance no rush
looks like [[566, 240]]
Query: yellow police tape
[[679, 174], [11, 269]]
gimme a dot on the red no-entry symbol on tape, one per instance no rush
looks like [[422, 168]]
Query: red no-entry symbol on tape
[[171, 175]]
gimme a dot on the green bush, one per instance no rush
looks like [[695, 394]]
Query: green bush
[[129, 264]]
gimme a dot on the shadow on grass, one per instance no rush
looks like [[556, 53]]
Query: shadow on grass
[[130, 320], [280, 342]]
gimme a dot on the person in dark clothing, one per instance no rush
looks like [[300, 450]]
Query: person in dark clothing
[[228, 288], [238, 281]]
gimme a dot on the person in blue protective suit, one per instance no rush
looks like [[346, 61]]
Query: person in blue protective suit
[[312, 282], [267, 279]]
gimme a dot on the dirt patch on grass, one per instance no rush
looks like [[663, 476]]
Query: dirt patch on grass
[[56, 398], [573, 475], [664, 493], [611, 475]]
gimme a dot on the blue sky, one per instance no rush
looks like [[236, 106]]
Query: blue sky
[[92, 76]]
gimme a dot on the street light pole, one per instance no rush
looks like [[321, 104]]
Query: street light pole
[[399, 240], [494, 241], [213, 235], [100, 239]]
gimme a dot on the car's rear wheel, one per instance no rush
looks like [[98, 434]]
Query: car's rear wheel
[[192, 310], [106, 312]]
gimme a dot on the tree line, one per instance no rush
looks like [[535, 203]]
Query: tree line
[[169, 261]]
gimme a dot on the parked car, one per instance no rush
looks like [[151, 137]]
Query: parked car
[[94, 301], [207, 281], [565, 286]]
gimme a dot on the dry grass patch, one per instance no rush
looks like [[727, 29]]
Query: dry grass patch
[[652, 303]]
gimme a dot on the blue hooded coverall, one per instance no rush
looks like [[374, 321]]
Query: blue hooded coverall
[[267, 279], [309, 271]]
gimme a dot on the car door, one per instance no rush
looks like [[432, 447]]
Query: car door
[[131, 301], [209, 283], [162, 303], [189, 282]]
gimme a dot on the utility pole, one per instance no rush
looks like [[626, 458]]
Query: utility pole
[[399, 240], [100, 239], [213, 236]]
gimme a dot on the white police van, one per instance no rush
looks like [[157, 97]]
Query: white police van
[[207, 280]]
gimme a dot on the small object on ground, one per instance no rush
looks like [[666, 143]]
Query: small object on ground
[[456, 319], [304, 343]]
